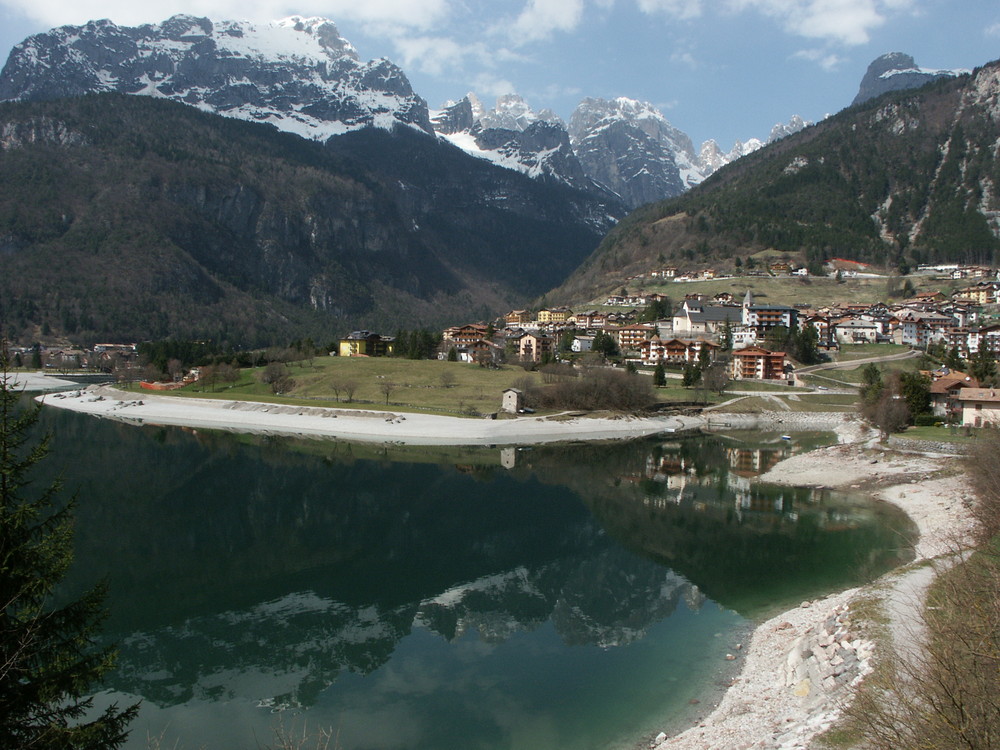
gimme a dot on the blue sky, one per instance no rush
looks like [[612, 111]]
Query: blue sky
[[722, 69]]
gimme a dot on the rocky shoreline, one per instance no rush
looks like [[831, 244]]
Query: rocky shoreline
[[801, 666]]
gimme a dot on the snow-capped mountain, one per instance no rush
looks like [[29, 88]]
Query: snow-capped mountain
[[513, 136], [301, 76], [631, 147], [896, 71], [622, 145], [298, 74]]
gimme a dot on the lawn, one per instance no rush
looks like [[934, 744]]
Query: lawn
[[430, 386], [951, 434], [851, 352], [854, 375], [787, 290]]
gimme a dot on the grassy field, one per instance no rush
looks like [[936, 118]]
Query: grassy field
[[811, 291], [853, 376], [864, 351], [429, 386], [412, 385], [455, 388], [941, 434]]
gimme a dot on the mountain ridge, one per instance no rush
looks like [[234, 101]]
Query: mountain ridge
[[904, 179]]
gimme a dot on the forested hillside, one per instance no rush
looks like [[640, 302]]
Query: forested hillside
[[129, 218], [905, 179]]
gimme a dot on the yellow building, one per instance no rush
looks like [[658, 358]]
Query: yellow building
[[366, 344]]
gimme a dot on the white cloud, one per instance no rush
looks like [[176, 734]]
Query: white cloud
[[684, 58], [993, 30], [488, 85], [827, 60], [843, 21], [541, 18], [409, 13], [675, 8], [436, 55]]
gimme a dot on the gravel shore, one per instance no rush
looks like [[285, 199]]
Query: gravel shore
[[800, 666]]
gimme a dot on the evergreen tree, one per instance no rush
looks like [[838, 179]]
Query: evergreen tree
[[953, 360], [605, 344], [982, 366], [659, 375], [726, 338], [48, 658], [871, 384], [916, 391], [691, 376]]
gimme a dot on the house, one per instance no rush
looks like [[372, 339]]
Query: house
[[531, 347], [554, 314], [980, 406], [758, 364], [945, 390], [589, 319], [656, 351], [366, 344], [631, 337], [918, 327], [765, 317], [518, 318], [512, 401], [467, 334], [582, 344], [855, 331]]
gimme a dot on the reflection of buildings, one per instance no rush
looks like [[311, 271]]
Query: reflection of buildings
[[671, 478], [508, 457], [752, 462]]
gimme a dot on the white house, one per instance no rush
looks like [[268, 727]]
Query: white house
[[980, 406]]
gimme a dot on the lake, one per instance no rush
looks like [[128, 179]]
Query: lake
[[577, 596]]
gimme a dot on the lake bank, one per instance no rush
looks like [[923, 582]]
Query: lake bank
[[406, 428], [786, 715], [800, 666]]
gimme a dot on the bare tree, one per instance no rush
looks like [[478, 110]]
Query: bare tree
[[946, 693], [387, 387], [175, 368], [349, 387]]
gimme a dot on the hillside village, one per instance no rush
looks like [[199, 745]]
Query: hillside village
[[743, 338], [961, 321]]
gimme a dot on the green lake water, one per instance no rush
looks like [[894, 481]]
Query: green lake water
[[578, 596]]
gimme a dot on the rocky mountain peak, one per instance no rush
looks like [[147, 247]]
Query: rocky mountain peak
[[785, 129], [298, 73], [896, 71]]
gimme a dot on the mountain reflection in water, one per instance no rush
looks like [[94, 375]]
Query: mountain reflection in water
[[251, 574]]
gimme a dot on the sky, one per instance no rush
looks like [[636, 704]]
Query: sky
[[721, 69]]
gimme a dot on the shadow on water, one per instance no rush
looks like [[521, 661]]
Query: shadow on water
[[279, 571]]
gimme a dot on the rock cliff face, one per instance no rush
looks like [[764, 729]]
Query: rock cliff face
[[298, 74], [896, 71]]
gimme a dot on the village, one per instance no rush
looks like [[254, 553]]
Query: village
[[642, 331], [741, 336]]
